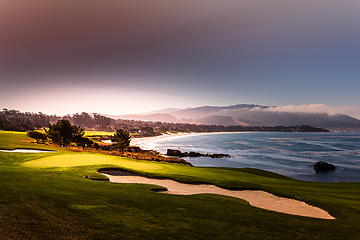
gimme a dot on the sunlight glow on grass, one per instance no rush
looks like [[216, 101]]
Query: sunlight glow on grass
[[98, 133], [82, 159]]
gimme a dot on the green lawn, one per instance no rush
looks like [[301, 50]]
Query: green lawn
[[98, 133], [52, 196]]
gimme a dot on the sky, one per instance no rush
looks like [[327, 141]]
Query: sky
[[124, 57]]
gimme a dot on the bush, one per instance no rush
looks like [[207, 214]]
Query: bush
[[38, 136]]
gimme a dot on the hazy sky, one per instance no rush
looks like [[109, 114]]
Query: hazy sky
[[117, 57]]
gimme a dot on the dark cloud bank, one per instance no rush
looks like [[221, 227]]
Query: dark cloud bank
[[259, 49], [173, 35]]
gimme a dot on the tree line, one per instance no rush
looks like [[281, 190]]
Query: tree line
[[14, 120], [64, 133], [18, 121]]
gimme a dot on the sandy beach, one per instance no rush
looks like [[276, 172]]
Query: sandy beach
[[146, 142], [255, 198]]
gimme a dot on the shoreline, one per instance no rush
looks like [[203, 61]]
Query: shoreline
[[144, 140], [147, 141]]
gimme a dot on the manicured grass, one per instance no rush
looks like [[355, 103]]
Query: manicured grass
[[98, 133], [47, 196], [72, 160]]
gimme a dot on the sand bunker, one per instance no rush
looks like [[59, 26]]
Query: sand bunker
[[256, 198], [26, 151]]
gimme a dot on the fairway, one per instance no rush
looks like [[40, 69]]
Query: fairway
[[98, 133], [83, 159], [177, 172], [56, 192], [72, 160]]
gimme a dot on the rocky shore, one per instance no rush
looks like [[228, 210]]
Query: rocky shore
[[178, 153]]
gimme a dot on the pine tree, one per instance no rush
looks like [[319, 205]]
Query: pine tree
[[120, 140], [63, 132]]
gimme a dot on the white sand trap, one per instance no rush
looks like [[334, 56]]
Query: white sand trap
[[256, 198], [26, 151]]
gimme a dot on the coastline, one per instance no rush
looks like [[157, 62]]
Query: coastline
[[143, 141], [147, 141], [289, 154]]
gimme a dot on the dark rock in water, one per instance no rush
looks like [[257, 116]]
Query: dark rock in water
[[194, 154], [174, 153], [219, 155], [177, 153], [323, 166]]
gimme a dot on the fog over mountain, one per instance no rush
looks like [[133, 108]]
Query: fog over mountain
[[156, 117], [248, 115]]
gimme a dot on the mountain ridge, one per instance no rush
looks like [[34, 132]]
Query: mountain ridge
[[246, 115]]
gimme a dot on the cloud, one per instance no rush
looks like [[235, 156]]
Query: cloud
[[230, 51], [353, 111]]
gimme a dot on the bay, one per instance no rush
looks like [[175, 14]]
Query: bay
[[289, 154]]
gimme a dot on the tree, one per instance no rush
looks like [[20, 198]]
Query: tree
[[101, 122], [38, 136], [84, 142], [120, 140], [2, 123], [63, 132], [96, 145]]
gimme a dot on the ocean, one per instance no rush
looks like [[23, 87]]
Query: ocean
[[289, 154]]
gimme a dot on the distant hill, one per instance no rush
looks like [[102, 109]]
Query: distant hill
[[166, 110], [158, 117], [220, 120], [206, 111], [248, 115]]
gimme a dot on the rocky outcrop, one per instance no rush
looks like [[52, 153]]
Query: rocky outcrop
[[178, 153], [173, 153], [134, 149], [323, 166]]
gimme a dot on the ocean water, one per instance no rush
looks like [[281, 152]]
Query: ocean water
[[289, 154]]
